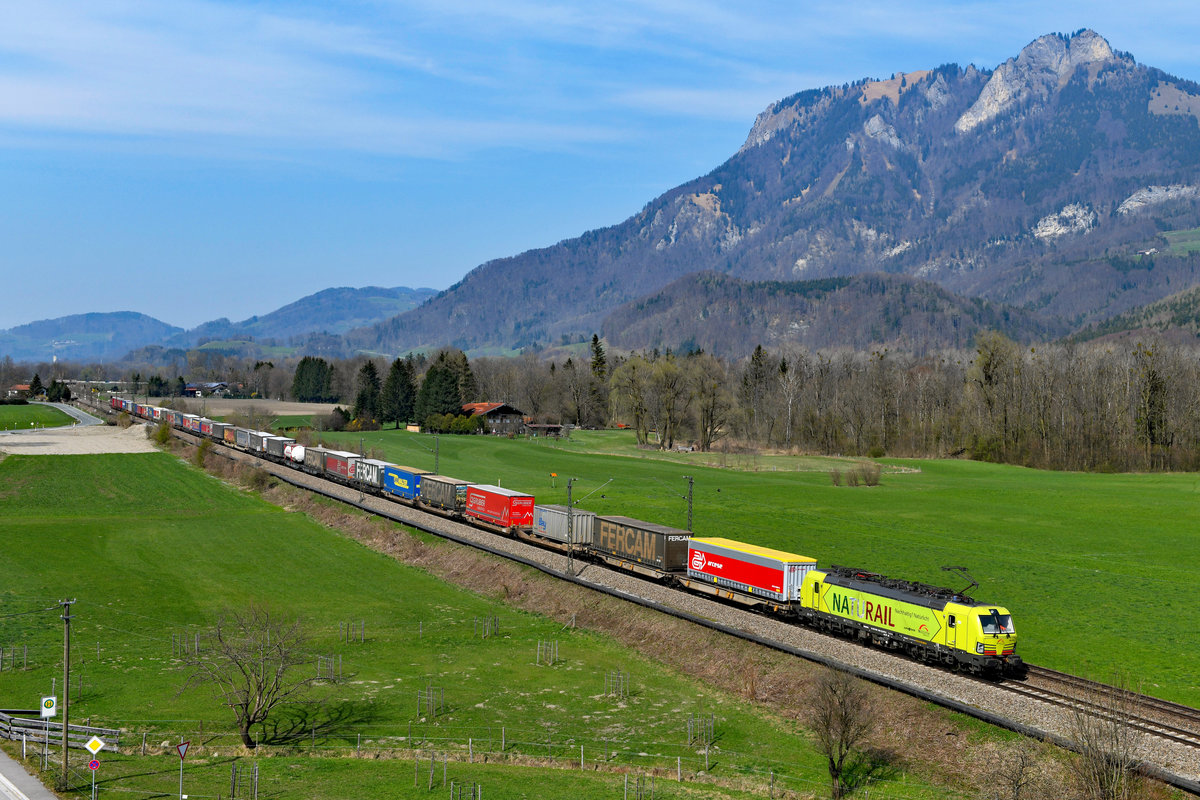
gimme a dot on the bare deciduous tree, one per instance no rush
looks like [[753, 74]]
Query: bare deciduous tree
[[1106, 767], [252, 666], [841, 718]]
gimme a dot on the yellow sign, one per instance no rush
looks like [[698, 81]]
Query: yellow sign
[[95, 745]]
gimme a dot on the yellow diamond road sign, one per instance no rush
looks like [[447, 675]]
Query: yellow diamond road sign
[[95, 744]]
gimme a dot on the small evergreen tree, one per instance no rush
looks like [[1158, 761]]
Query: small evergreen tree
[[399, 392], [35, 386], [367, 399]]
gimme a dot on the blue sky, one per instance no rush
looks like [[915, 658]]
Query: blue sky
[[193, 159]]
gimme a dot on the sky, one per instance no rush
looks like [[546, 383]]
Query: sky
[[197, 159]]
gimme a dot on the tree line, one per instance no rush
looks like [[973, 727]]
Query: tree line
[[1115, 405]]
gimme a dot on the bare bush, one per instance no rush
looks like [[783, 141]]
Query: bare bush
[[1107, 744], [835, 475], [869, 473]]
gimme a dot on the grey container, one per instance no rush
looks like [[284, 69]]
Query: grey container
[[314, 459], [369, 471], [218, 430], [444, 492], [276, 444], [551, 523], [242, 437], [659, 546]]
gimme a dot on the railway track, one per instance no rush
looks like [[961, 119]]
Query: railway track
[[1155, 718], [1148, 715]]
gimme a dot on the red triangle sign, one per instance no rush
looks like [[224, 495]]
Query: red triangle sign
[[182, 748]]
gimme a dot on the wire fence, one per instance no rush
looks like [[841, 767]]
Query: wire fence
[[499, 745]]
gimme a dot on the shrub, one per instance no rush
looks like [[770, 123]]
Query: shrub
[[202, 452], [835, 475], [162, 433], [869, 473]]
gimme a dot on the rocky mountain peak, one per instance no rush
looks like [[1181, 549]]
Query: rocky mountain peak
[[1044, 65]]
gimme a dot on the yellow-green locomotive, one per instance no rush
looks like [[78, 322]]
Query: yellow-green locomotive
[[927, 622]]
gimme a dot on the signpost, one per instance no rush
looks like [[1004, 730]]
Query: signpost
[[181, 748], [49, 707], [94, 765]]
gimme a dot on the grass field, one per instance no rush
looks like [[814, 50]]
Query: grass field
[[151, 548], [20, 417], [292, 421], [1183, 242], [1100, 571]]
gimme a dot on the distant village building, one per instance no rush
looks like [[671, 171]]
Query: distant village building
[[501, 418], [214, 389], [18, 390]]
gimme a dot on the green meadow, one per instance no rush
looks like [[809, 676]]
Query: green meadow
[[1183, 242], [21, 417], [1098, 570], [151, 548]]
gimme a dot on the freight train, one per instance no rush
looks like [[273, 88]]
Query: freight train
[[928, 623]]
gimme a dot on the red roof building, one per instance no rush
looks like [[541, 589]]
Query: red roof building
[[501, 418]]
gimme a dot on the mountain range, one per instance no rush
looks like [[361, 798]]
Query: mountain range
[[1052, 195], [1032, 187], [109, 336]]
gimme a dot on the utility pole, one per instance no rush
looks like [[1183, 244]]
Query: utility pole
[[691, 481], [66, 618], [437, 454], [570, 529]]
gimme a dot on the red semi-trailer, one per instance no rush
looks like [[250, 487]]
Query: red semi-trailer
[[748, 568], [337, 462], [500, 506]]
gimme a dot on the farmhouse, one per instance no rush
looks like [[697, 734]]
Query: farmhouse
[[501, 418], [18, 390]]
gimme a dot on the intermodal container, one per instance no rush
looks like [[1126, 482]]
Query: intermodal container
[[748, 568], [659, 546], [242, 437], [500, 506], [258, 441], [551, 522], [314, 459], [443, 492], [337, 463], [205, 426], [369, 471], [276, 444], [218, 430], [294, 453], [231, 434], [403, 481]]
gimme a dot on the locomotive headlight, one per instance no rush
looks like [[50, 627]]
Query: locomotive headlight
[[979, 648]]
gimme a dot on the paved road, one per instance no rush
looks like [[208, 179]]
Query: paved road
[[17, 784], [82, 419]]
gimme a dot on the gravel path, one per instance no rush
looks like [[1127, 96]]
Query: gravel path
[[1175, 758]]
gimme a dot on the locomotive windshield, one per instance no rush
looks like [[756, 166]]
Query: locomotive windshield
[[995, 624]]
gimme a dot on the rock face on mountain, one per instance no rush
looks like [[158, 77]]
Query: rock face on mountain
[[1004, 185], [1042, 68]]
